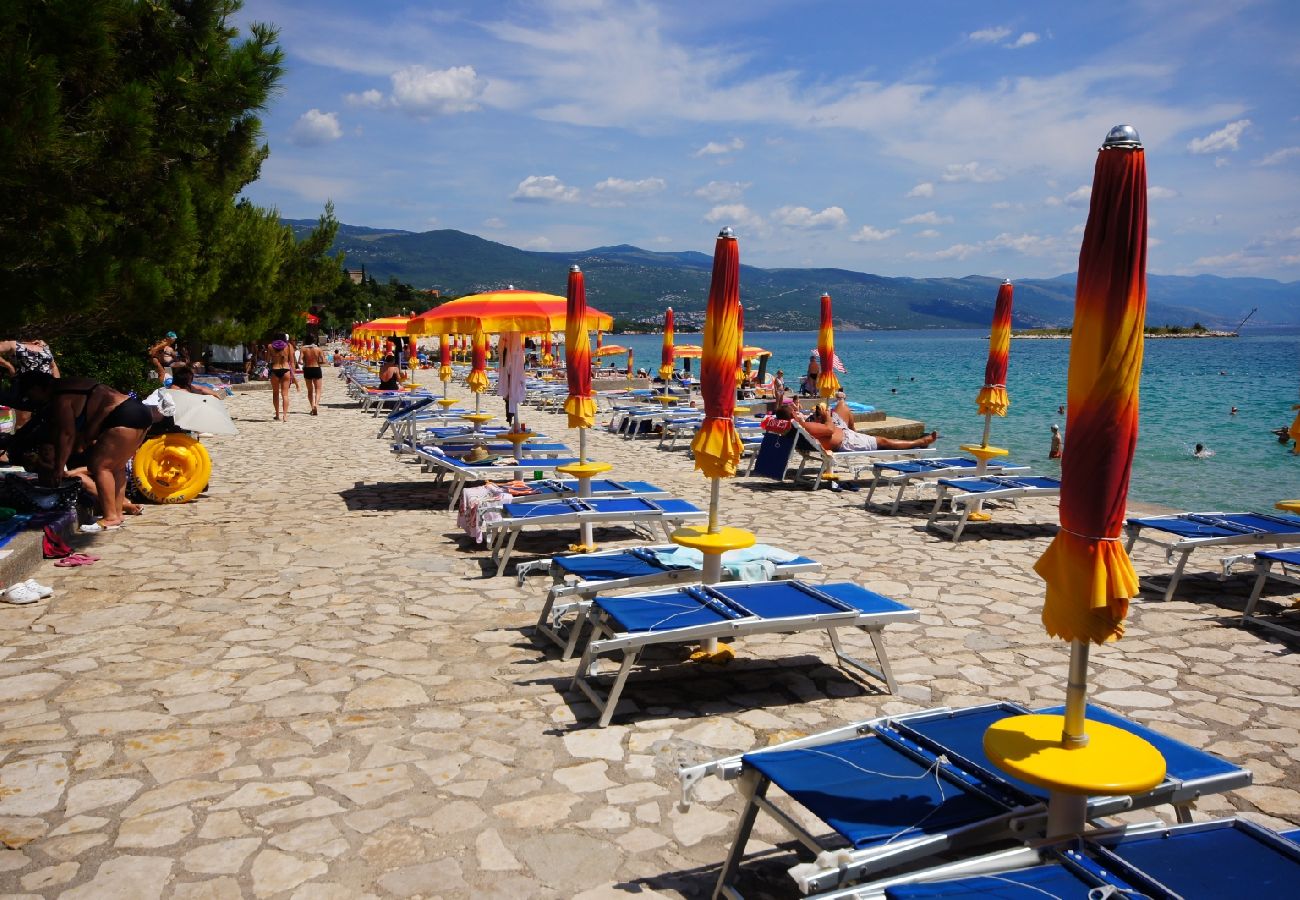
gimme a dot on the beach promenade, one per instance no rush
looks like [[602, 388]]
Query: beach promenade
[[305, 686]]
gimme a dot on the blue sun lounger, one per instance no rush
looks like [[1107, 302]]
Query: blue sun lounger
[[897, 791], [1282, 565], [630, 624], [579, 577], [906, 472], [1217, 859], [966, 494], [461, 474], [572, 512], [1181, 534]]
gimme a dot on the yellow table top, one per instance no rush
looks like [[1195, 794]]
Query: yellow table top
[[478, 418], [698, 537], [446, 402], [518, 437], [584, 470], [1114, 762], [665, 399], [1288, 505], [979, 451]]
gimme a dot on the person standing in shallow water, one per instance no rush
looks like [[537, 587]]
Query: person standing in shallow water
[[1055, 451]]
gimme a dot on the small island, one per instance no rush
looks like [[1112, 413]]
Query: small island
[[1196, 330]]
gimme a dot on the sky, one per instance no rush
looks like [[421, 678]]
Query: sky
[[922, 139]]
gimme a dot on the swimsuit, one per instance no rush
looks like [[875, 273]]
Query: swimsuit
[[279, 373], [27, 360], [130, 413], [389, 385], [312, 373]]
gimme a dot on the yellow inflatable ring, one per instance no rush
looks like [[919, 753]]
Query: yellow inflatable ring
[[171, 468]]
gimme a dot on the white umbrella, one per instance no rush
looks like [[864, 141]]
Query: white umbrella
[[510, 378], [199, 412]]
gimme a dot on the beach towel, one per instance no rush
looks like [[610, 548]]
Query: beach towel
[[756, 563], [480, 506]]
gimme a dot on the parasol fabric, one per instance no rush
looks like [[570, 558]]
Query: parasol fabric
[[827, 382], [444, 357], [1089, 576], [548, 358], [510, 376], [740, 345], [502, 311], [717, 446], [666, 355], [992, 399], [478, 377], [580, 405], [1294, 430]]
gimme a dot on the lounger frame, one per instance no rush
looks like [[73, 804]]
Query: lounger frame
[[964, 503], [903, 480]]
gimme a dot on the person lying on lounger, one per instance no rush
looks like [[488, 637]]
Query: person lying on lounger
[[833, 438]]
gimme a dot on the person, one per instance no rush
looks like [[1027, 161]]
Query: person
[[313, 358], [778, 421], [1060, 410], [162, 355], [1055, 451], [107, 425], [814, 365], [1201, 452], [28, 357], [1233, 411], [183, 380], [390, 371], [280, 356], [778, 387], [808, 386], [842, 414], [833, 438]]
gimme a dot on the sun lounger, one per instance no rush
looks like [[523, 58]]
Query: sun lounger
[[630, 624], [557, 489], [1221, 858], [1281, 565], [831, 462], [460, 474], [902, 473], [1181, 534], [574, 512], [579, 577], [966, 494], [900, 790]]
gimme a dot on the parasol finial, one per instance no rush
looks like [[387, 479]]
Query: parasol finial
[[1006, 280], [1122, 136], [728, 233], [575, 268]]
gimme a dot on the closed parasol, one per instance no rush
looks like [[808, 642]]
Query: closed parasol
[[666, 354], [580, 404], [827, 382]]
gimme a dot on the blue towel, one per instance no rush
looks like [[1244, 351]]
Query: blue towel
[[756, 563]]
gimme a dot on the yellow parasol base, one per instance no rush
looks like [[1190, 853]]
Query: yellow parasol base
[[666, 399], [698, 537], [1288, 505], [478, 418], [982, 453], [446, 402], [584, 470], [518, 437], [1113, 762]]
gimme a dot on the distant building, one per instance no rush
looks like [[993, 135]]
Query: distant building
[[357, 275], [432, 292]]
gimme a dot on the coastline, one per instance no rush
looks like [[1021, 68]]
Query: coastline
[[1149, 336]]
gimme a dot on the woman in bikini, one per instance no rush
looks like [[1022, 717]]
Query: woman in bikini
[[313, 358], [105, 425], [162, 355], [281, 357], [390, 373]]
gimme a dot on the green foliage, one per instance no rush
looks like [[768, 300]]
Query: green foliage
[[119, 361]]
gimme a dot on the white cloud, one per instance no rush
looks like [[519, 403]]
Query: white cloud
[[615, 191], [867, 234], [1002, 204], [738, 215], [1279, 156], [437, 91], [494, 223], [1026, 244], [804, 218], [722, 191], [1159, 192], [1079, 196], [1221, 161], [371, 99], [971, 171], [927, 233], [544, 189], [537, 243], [314, 128], [1024, 40], [990, 35], [1226, 138], [924, 189], [713, 148], [928, 218], [956, 251]]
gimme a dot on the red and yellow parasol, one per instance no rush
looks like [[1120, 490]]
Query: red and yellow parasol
[[580, 405], [478, 376], [444, 357], [717, 446], [827, 382], [548, 357], [992, 399], [495, 312], [1294, 430], [666, 355], [740, 344]]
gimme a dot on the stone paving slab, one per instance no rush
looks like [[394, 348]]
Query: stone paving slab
[[304, 686]]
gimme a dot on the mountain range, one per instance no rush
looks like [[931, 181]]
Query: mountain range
[[636, 284]]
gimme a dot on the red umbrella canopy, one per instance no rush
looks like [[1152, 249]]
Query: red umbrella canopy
[[1089, 575], [580, 405], [827, 382], [992, 399], [717, 446]]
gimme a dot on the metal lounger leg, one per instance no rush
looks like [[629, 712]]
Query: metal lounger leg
[[507, 550], [616, 689], [884, 673], [1262, 566], [753, 787], [938, 505], [898, 498], [961, 523], [1178, 573]]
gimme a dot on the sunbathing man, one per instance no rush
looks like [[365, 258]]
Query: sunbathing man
[[833, 438]]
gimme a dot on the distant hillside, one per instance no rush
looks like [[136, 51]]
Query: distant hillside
[[634, 283]]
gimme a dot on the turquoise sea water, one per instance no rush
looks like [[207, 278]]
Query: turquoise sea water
[[1188, 388]]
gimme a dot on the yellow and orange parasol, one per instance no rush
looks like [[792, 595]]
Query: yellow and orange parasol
[[827, 383], [580, 405], [496, 312], [992, 399], [666, 354]]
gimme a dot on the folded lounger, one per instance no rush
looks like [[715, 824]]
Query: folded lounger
[[855, 461], [966, 494], [574, 512], [581, 576], [1181, 534], [1287, 563], [461, 474], [898, 790], [1217, 859], [905, 472], [629, 624]]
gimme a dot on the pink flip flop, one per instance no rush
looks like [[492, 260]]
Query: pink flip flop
[[69, 561], [86, 557]]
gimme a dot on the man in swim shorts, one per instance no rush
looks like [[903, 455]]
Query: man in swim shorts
[[313, 358]]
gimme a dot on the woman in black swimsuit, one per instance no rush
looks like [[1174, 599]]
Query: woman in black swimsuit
[[107, 425], [281, 357], [389, 371]]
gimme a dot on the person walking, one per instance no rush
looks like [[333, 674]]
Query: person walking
[[281, 358], [313, 359]]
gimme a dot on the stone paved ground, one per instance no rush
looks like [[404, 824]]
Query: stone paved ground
[[303, 686]]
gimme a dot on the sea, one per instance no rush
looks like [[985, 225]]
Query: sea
[[1189, 387]]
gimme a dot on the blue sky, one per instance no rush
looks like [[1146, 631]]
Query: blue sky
[[901, 138]]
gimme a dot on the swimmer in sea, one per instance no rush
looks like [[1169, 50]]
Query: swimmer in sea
[[1201, 452]]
